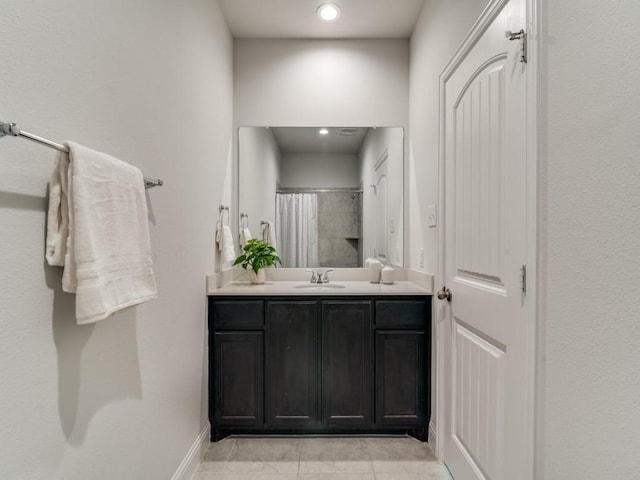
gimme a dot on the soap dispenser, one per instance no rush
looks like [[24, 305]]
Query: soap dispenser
[[387, 275], [375, 268]]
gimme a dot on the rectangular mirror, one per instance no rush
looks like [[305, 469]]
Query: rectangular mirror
[[327, 197]]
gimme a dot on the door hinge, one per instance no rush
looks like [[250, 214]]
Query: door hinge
[[522, 36], [523, 278]]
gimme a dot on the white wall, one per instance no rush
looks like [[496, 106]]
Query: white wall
[[260, 171], [439, 31], [150, 82], [320, 170], [591, 239], [321, 82]]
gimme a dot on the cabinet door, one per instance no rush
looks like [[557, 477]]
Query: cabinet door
[[400, 378], [347, 364], [238, 378], [292, 363]]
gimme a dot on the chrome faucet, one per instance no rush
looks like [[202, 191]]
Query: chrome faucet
[[314, 275], [318, 276], [324, 276]]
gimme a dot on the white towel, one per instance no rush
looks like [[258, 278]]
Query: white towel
[[224, 238], [97, 229], [58, 213], [245, 236], [269, 234]]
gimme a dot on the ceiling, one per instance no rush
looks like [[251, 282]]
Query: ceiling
[[308, 140], [297, 18]]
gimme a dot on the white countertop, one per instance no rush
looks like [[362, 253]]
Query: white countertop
[[302, 288]]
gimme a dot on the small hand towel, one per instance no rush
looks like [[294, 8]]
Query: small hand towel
[[245, 236], [269, 234], [97, 229], [224, 238]]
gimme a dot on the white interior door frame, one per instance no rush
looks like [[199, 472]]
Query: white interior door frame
[[535, 325], [380, 171]]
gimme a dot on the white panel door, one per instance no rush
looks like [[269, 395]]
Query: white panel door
[[381, 213], [484, 160]]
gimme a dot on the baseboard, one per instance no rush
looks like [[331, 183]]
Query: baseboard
[[433, 435], [190, 463]]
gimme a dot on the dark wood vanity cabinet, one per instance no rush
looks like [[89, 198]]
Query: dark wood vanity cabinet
[[238, 378], [401, 395], [319, 364], [236, 363], [291, 364], [347, 364], [402, 353]]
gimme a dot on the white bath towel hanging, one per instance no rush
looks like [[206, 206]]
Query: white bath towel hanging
[[269, 234], [58, 213], [224, 239], [98, 230], [245, 236]]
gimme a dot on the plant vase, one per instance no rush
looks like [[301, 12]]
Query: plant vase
[[257, 278], [256, 255]]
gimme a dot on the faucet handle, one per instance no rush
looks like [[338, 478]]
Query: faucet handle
[[325, 276], [314, 275]]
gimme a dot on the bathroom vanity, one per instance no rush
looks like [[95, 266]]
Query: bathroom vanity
[[319, 360]]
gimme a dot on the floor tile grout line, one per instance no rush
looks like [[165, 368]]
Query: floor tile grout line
[[366, 445], [226, 462]]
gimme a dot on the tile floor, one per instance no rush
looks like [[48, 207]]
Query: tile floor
[[321, 458]]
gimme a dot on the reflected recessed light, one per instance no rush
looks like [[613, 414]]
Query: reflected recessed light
[[328, 12], [323, 131]]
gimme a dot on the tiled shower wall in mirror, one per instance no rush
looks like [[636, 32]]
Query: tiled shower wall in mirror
[[340, 229]]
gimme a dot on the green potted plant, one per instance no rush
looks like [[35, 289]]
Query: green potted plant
[[257, 255]]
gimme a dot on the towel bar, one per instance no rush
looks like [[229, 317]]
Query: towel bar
[[13, 130]]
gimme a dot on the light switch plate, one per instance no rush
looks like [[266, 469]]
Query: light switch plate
[[432, 221]]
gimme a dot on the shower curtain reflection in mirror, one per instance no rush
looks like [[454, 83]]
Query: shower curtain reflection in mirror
[[297, 229]]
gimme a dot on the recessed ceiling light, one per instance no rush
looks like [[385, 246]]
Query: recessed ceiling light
[[323, 131], [328, 12]]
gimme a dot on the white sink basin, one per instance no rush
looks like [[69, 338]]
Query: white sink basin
[[320, 285]]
